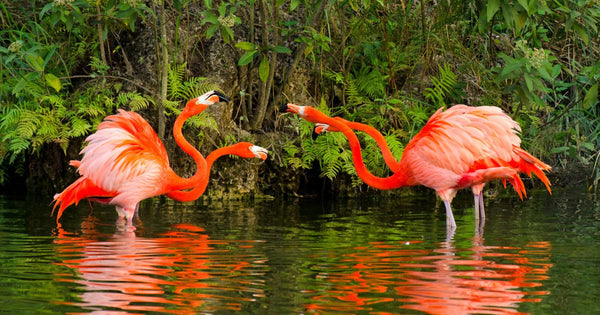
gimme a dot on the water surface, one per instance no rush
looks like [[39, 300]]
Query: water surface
[[306, 256]]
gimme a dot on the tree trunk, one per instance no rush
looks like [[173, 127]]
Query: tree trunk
[[164, 72]]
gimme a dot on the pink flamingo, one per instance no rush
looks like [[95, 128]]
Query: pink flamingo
[[458, 148], [126, 162]]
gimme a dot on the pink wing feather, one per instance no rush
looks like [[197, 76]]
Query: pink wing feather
[[124, 148], [460, 140]]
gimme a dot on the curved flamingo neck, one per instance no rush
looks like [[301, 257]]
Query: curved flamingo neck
[[398, 179], [388, 157], [199, 189], [201, 167]]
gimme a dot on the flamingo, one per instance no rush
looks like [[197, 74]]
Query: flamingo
[[394, 164], [125, 162], [461, 147]]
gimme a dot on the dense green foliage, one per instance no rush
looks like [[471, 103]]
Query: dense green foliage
[[66, 64]]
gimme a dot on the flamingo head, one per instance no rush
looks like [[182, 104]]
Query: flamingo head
[[259, 152], [320, 128], [309, 113], [248, 150], [201, 102]]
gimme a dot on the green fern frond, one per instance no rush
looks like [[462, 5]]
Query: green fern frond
[[175, 81], [139, 102], [370, 82], [29, 122], [442, 86], [203, 120], [332, 170], [336, 77], [195, 87], [352, 94], [54, 100], [395, 146], [79, 127], [171, 107], [10, 118], [17, 145]]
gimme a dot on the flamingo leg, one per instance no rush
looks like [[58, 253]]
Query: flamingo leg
[[481, 207], [476, 197], [129, 212], [120, 212], [449, 216]]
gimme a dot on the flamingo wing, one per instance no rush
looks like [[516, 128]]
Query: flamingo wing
[[460, 140], [124, 148]]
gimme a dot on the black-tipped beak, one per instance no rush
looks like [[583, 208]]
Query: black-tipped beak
[[222, 97]]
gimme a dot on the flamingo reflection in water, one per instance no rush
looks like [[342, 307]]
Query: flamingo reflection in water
[[445, 280], [183, 270]]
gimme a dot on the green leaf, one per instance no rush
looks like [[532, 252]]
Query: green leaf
[[294, 4], [282, 50], [524, 4], [520, 20], [212, 30], [559, 150], [556, 70], [53, 81], [245, 46], [46, 8], [544, 73], [263, 69], [589, 146], [528, 82], [247, 57], [591, 97], [210, 18], [511, 67], [227, 34], [35, 61], [492, 8], [580, 31], [19, 86]]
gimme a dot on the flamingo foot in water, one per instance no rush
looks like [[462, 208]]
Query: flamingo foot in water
[[476, 197], [481, 208], [449, 216]]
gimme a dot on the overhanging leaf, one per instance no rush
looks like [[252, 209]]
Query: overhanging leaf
[[492, 8], [282, 50], [53, 81], [245, 46], [263, 69], [247, 57], [591, 96], [35, 61], [580, 31]]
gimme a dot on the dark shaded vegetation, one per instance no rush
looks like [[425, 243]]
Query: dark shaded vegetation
[[66, 64]]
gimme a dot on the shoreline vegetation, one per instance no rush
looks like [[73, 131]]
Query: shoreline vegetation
[[67, 64]]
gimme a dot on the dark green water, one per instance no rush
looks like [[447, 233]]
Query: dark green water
[[539, 256]]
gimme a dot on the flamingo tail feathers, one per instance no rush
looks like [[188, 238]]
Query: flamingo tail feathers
[[530, 164], [80, 189]]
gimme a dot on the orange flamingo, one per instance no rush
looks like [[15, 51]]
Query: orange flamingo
[[125, 161], [394, 164], [458, 148]]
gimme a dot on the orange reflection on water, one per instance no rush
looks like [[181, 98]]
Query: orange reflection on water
[[183, 270], [445, 280]]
